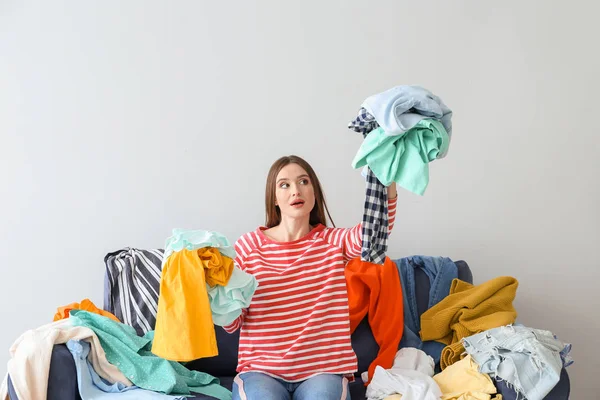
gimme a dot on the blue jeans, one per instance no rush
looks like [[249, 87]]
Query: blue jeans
[[259, 386], [440, 271], [528, 359]]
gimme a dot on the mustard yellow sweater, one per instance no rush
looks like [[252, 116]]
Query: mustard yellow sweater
[[468, 310]]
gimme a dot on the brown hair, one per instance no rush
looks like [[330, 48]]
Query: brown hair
[[273, 214]]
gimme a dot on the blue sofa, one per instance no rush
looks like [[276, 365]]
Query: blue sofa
[[62, 384]]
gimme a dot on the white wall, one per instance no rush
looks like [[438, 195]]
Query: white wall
[[122, 120]]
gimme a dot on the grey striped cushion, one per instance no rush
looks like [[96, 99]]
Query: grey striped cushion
[[131, 286]]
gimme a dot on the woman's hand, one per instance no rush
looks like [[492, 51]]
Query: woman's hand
[[391, 191]]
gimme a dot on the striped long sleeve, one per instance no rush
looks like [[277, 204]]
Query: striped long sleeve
[[297, 325]]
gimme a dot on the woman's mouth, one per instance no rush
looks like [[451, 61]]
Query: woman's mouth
[[297, 204]]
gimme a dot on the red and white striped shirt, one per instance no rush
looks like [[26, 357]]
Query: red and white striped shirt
[[297, 325]]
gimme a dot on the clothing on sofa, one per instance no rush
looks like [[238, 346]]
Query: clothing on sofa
[[30, 358], [467, 310], [409, 376], [131, 286], [132, 355], [93, 387], [184, 324], [410, 384], [441, 271], [86, 304], [297, 325], [528, 359], [375, 221], [376, 290], [399, 109], [403, 159], [228, 301], [462, 381]]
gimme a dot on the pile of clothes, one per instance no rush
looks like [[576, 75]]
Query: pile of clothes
[[136, 348], [404, 129], [467, 338]]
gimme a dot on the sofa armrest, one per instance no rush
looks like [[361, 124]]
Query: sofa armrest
[[62, 377]]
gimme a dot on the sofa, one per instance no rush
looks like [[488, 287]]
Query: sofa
[[62, 384]]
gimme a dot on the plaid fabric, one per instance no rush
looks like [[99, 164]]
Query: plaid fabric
[[364, 122], [375, 221], [375, 215]]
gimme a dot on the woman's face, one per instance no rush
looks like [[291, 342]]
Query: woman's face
[[294, 192]]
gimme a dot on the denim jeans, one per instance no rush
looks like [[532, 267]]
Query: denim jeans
[[259, 386], [528, 359], [440, 271]]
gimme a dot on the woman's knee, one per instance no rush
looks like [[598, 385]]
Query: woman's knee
[[325, 387], [258, 386]]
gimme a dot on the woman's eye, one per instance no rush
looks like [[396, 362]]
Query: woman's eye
[[284, 185], [304, 182]]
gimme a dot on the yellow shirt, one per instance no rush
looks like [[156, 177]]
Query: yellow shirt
[[463, 381], [184, 327]]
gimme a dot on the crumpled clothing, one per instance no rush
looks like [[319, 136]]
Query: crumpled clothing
[[412, 359], [92, 387], [528, 359], [399, 109], [462, 381], [87, 305], [565, 354], [364, 122], [29, 366], [375, 290], [131, 285], [410, 377], [467, 310], [440, 271], [196, 239], [375, 222], [404, 159], [132, 355], [227, 302], [184, 325]]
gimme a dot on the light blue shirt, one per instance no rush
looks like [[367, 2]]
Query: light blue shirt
[[227, 302], [197, 239], [528, 359], [400, 108], [93, 387]]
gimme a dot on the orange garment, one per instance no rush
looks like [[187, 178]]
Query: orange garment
[[375, 289], [87, 305], [184, 326]]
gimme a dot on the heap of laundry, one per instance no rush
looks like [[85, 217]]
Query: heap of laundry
[[467, 339], [135, 346]]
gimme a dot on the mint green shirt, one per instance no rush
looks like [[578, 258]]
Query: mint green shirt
[[131, 354], [404, 159]]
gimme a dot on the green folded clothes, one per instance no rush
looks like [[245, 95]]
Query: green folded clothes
[[404, 159]]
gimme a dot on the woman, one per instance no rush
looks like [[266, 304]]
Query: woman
[[295, 336]]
